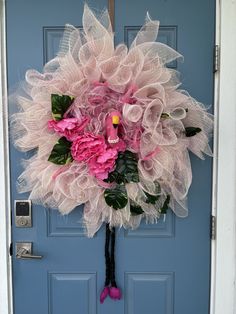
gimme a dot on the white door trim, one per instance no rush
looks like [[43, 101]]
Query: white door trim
[[5, 216], [223, 292], [223, 261]]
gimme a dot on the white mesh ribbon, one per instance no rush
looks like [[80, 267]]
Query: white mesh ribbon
[[155, 116]]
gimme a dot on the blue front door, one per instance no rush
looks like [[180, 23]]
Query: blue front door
[[162, 268]]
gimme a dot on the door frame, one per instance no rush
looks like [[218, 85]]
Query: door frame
[[6, 288], [223, 260], [223, 270]]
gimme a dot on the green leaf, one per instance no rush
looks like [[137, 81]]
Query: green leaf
[[117, 197], [126, 169], [60, 154], [151, 199], [165, 206], [135, 209], [165, 115], [191, 131], [60, 104]]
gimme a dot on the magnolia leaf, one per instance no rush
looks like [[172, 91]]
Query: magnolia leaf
[[165, 115], [165, 206], [135, 209], [126, 169], [60, 104], [151, 199], [60, 154], [191, 131], [117, 197]]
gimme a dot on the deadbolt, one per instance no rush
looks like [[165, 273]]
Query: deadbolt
[[23, 213]]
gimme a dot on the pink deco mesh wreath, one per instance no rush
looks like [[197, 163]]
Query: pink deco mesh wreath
[[112, 130]]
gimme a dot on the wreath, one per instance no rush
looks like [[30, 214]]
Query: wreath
[[112, 129]]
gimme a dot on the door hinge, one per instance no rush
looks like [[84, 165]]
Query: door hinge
[[216, 58], [213, 227], [11, 249]]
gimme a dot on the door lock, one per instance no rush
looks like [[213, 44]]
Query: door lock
[[24, 251], [23, 215]]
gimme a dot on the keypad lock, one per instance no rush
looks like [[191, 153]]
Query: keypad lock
[[23, 216]]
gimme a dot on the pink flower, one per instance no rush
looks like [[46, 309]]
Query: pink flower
[[115, 293], [87, 146], [68, 127], [102, 164], [104, 294]]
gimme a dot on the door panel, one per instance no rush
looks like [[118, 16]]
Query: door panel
[[158, 285], [162, 268], [76, 288]]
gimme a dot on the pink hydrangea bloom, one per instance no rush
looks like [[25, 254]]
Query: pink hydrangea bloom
[[68, 127], [102, 164], [87, 146]]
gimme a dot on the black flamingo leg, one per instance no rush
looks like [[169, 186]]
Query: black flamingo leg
[[107, 256]]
